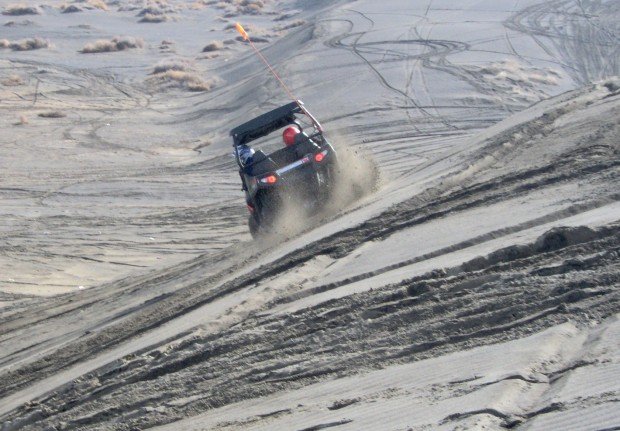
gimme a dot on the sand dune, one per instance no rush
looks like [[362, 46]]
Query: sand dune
[[474, 285]]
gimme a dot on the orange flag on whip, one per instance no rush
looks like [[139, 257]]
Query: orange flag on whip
[[242, 31]]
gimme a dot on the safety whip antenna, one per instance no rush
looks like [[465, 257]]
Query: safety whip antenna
[[246, 37]]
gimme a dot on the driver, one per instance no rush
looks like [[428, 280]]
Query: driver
[[293, 136], [289, 135]]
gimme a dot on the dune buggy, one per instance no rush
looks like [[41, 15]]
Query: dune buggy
[[301, 175]]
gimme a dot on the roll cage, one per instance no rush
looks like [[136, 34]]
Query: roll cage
[[269, 122]]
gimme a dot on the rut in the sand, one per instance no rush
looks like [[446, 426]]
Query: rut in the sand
[[505, 297]]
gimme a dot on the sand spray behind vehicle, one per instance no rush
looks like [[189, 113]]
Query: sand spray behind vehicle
[[357, 176]]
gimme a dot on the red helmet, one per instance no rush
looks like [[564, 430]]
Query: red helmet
[[289, 135]]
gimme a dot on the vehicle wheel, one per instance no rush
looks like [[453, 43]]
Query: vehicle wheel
[[254, 227]]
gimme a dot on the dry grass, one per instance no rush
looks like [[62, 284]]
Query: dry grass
[[150, 18], [97, 4], [24, 23], [29, 44], [250, 7], [197, 5], [187, 80], [172, 64], [115, 44], [216, 45], [12, 81], [245, 7], [156, 9], [208, 56], [179, 73], [128, 8], [166, 45], [70, 8], [21, 9], [156, 12], [52, 114]]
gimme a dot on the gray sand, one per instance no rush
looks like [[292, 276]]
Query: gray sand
[[474, 286]]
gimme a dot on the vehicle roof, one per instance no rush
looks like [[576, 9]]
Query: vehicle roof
[[266, 123]]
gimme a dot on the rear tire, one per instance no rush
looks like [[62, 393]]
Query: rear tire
[[254, 227]]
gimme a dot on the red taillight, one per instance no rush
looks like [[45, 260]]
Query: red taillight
[[250, 208], [318, 157], [269, 179]]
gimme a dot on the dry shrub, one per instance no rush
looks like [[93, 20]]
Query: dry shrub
[[150, 10], [257, 3], [71, 8], [188, 80], [98, 4], [156, 9], [171, 64], [179, 73], [208, 56], [216, 45], [4, 43], [52, 114], [166, 45], [197, 5], [290, 25], [236, 7], [129, 8], [12, 81], [150, 18], [29, 44], [115, 44], [24, 23], [251, 9], [21, 9]]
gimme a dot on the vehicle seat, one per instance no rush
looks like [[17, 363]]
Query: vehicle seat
[[261, 164], [258, 156], [304, 145]]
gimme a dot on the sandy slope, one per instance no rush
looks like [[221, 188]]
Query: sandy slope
[[477, 288]]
